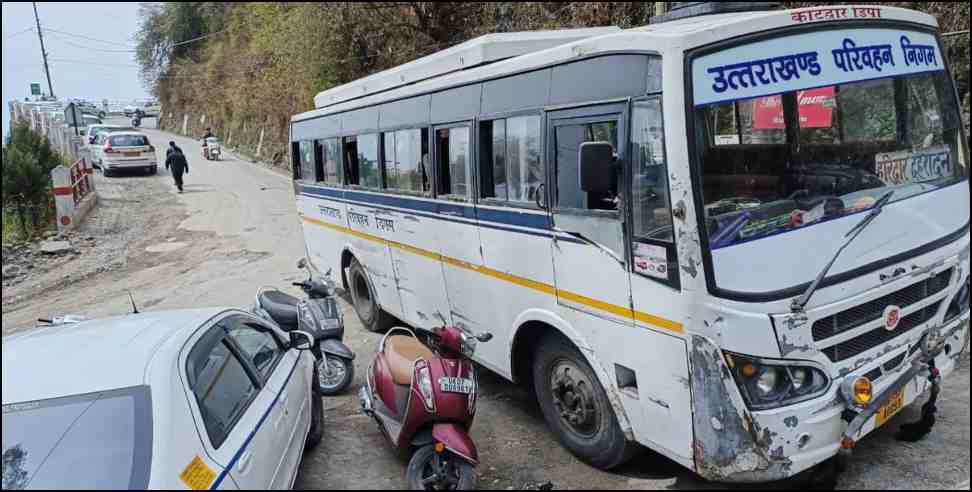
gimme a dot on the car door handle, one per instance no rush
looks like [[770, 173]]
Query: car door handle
[[243, 465]]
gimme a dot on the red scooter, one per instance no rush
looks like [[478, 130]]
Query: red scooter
[[424, 401]]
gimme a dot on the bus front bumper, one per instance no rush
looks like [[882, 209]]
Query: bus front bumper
[[734, 445]]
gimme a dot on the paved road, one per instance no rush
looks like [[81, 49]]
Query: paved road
[[235, 229]]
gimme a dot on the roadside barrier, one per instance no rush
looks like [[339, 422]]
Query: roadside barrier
[[74, 193]]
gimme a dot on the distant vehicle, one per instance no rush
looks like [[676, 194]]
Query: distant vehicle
[[207, 399], [211, 149], [152, 109], [125, 151], [91, 109]]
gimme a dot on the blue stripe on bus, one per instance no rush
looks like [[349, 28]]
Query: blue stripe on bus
[[487, 217], [236, 458]]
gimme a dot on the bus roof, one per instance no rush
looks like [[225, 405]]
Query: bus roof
[[494, 56], [473, 53]]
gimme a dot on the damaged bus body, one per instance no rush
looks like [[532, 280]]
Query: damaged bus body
[[740, 239]]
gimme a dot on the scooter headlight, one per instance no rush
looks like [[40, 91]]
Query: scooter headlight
[[424, 378]]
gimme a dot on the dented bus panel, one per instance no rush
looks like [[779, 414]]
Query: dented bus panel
[[747, 148]]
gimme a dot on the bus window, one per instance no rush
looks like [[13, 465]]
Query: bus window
[[406, 159], [330, 151], [569, 141], [361, 157], [511, 165], [308, 161], [452, 158]]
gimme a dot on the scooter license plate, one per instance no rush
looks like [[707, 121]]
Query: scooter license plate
[[456, 385]]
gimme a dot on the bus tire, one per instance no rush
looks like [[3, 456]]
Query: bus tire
[[576, 407], [369, 312]]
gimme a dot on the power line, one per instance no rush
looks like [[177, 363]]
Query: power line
[[193, 40], [18, 33], [63, 39], [89, 38], [87, 62]]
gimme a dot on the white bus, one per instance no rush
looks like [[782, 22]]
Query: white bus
[[739, 239]]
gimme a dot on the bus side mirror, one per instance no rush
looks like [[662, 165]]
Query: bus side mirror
[[596, 167]]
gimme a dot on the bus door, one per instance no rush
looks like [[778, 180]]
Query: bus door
[[589, 252], [458, 229]]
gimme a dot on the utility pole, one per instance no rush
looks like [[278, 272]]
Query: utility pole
[[40, 35]]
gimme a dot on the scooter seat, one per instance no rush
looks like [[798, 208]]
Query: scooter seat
[[281, 307], [401, 352]]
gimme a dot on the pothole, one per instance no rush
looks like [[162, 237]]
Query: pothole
[[165, 248]]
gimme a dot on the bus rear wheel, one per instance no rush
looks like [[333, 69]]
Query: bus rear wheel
[[366, 306], [576, 407]]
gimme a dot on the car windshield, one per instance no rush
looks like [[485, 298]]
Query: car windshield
[[778, 163], [90, 442], [129, 141]]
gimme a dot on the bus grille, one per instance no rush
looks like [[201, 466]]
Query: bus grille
[[875, 338], [861, 315]]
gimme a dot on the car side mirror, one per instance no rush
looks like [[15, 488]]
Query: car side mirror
[[301, 340], [596, 167]]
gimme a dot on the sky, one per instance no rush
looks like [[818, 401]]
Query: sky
[[80, 67]]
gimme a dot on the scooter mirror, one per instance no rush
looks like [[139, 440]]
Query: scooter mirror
[[302, 264]]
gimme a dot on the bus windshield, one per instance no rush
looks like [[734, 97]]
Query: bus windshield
[[777, 163]]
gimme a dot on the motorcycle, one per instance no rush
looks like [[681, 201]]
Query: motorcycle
[[318, 315], [424, 399], [211, 149]]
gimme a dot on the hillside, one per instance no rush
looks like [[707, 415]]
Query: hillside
[[245, 68]]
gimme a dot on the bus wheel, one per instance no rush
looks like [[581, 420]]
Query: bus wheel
[[363, 297], [576, 407]]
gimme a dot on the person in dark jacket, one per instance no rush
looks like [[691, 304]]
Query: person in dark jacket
[[177, 163], [172, 148]]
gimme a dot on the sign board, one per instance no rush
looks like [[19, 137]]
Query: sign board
[[812, 60], [35, 89], [816, 110]]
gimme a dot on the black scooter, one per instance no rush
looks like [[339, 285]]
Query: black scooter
[[318, 315]]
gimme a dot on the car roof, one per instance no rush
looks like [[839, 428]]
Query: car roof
[[92, 356], [127, 133]]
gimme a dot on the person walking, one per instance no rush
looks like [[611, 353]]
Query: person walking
[[177, 163]]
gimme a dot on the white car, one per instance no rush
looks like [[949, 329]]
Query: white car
[[94, 145], [126, 151], [207, 399]]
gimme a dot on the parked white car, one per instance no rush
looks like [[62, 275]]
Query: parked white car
[[95, 145], [207, 399], [127, 151]]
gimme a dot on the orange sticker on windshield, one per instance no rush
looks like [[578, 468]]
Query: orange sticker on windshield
[[198, 476]]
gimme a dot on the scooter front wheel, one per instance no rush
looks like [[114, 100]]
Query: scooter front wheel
[[334, 375], [429, 470]]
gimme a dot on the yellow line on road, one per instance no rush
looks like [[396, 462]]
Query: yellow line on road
[[620, 311]]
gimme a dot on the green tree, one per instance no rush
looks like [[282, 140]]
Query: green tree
[[28, 160]]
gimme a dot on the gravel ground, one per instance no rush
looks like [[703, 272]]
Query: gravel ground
[[236, 229]]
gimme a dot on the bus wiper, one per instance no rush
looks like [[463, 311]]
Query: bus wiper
[[591, 242], [799, 305]]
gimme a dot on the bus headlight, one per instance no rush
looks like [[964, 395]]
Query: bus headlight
[[773, 384]]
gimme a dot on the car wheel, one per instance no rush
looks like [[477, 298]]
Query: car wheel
[[576, 407], [369, 312], [316, 433]]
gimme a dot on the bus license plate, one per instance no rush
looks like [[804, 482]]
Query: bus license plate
[[456, 385], [890, 409]]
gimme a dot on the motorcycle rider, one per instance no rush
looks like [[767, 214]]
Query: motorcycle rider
[[209, 134]]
